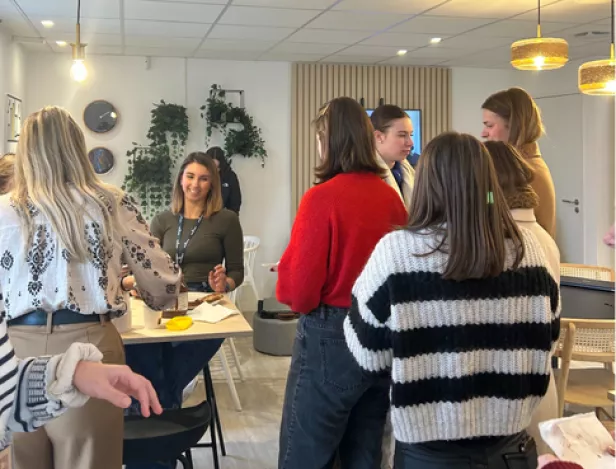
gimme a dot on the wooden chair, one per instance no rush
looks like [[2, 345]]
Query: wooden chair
[[587, 340], [592, 272]]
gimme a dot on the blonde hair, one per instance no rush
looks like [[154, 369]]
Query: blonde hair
[[53, 175], [521, 113], [7, 165], [213, 201]]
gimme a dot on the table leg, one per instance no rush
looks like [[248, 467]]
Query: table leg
[[211, 395]]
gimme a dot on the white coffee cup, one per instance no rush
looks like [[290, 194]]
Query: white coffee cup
[[151, 318]]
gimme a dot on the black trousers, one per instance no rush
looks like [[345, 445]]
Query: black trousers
[[513, 452]]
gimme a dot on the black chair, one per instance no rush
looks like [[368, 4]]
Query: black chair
[[167, 436]]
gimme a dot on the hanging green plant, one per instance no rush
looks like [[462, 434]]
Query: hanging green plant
[[149, 175], [242, 136], [214, 111]]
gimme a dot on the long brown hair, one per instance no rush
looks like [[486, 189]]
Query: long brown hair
[[457, 196], [7, 170], [514, 175], [213, 202], [521, 113], [347, 140]]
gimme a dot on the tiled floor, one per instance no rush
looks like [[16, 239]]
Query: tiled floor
[[251, 436]]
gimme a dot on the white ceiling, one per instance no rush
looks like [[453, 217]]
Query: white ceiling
[[476, 33]]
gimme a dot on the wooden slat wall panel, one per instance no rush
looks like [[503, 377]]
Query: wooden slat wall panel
[[428, 89]]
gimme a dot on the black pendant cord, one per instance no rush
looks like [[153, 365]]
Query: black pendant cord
[[78, 11], [539, 12]]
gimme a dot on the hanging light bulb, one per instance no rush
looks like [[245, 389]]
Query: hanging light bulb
[[598, 77], [79, 72], [539, 53]]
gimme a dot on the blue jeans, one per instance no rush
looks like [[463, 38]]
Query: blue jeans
[[331, 406], [170, 366]]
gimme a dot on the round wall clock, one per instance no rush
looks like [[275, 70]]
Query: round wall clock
[[100, 116], [102, 160]]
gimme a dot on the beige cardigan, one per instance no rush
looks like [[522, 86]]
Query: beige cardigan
[[408, 180]]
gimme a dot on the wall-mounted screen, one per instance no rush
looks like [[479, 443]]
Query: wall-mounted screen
[[415, 116]]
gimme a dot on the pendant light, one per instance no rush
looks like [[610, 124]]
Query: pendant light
[[79, 72], [598, 77], [539, 53]]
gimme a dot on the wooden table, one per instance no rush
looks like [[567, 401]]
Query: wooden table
[[233, 326], [611, 394]]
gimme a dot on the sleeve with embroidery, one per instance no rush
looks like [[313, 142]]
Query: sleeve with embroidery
[[158, 276]]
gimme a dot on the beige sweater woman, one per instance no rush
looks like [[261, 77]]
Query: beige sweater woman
[[522, 206], [545, 211]]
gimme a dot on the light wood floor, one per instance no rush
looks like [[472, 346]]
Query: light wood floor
[[251, 436]]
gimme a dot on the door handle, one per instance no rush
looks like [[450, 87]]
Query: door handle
[[574, 202]]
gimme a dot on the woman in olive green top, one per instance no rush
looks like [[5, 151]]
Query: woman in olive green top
[[200, 235]]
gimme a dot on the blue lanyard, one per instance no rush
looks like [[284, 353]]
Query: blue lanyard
[[179, 254]]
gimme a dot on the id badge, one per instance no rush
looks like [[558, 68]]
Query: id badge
[[5, 458]]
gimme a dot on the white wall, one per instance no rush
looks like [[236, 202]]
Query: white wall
[[469, 89], [125, 82], [12, 73], [598, 150]]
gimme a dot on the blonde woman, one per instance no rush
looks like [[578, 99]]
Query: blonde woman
[[63, 238], [512, 116], [6, 172]]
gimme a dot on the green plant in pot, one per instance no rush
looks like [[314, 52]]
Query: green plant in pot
[[242, 136], [150, 167], [214, 111]]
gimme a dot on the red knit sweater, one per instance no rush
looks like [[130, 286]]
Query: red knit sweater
[[335, 230]]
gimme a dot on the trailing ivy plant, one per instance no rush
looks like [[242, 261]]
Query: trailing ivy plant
[[214, 111], [150, 166], [245, 140]]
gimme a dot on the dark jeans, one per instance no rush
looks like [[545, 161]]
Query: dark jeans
[[513, 452], [331, 406], [170, 366]]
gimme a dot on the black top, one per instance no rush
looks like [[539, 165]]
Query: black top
[[231, 193]]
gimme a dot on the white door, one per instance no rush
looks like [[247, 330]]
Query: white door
[[562, 149]]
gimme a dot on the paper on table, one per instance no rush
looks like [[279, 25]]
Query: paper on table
[[208, 313], [581, 439]]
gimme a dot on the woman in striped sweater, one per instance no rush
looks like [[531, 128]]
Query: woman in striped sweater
[[460, 309]]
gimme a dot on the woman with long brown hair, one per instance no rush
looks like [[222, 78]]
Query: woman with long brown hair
[[512, 116], [329, 408], [515, 177], [460, 311], [201, 236]]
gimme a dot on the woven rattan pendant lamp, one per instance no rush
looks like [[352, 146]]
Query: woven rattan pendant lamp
[[539, 53], [599, 76]]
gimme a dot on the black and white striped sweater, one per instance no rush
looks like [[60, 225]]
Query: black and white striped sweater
[[467, 359]]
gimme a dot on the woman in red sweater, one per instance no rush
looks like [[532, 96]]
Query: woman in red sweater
[[330, 407]]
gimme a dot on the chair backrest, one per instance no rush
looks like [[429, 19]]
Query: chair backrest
[[593, 341], [592, 272], [564, 350], [251, 244]]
